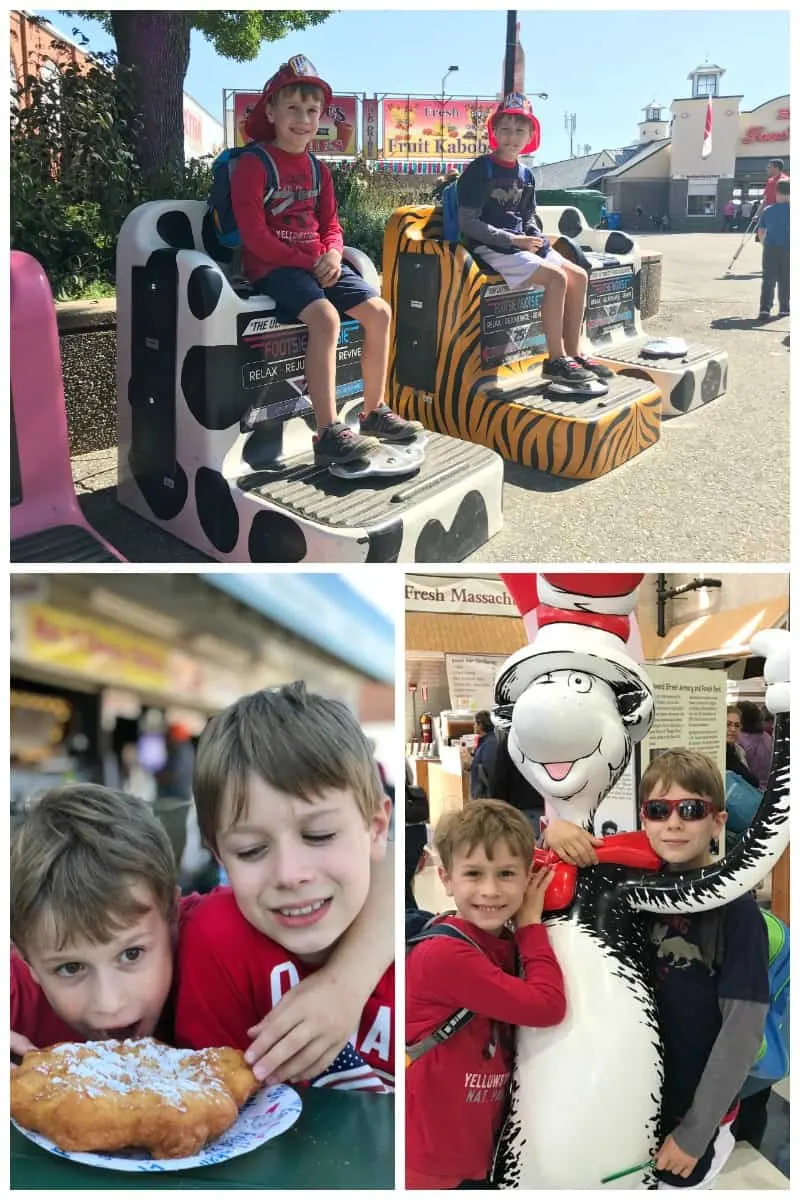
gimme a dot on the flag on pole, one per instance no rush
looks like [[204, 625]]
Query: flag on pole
[[707, 129]]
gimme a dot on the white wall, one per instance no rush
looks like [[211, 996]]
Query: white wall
[[203, 134]]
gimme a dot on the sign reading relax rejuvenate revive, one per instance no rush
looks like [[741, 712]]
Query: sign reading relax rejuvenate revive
[[337, 128], [427, 128]]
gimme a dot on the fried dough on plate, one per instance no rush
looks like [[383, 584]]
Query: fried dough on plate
[[114, 1095]]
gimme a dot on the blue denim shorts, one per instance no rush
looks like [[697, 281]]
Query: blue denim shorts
[[293, 289]]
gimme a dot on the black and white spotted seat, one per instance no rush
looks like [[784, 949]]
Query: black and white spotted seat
[[215, 426], [613, 316]]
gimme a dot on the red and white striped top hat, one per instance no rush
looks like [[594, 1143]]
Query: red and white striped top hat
[[578, 622]]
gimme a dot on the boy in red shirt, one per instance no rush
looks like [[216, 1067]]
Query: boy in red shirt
[[292, 249], [96, 915], [456, 1090], [290, 801]]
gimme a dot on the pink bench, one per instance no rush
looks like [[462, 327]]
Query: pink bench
[[47, 524]]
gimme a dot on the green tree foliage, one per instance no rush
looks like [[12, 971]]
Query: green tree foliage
[[155, 45]]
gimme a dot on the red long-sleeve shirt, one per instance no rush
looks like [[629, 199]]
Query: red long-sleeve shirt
[[34, 1018], [455, 1095], [231, 976], [293, 229]]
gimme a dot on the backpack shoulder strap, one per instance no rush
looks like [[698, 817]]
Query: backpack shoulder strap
[[269, 164], [456, 1020], [316, 172]]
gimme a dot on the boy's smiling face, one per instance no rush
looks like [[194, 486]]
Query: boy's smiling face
[[300, 869], [512, 134], [683, 845], [296, 120], [109, 989], [487, 891]]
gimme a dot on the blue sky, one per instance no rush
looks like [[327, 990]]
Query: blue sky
[[603, 78]]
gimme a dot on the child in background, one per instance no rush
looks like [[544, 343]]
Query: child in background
[[712, 983], [289, 800], [292, 250], [497, 216], [456, 1090]]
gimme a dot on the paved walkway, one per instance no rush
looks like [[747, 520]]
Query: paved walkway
[[714, 489]]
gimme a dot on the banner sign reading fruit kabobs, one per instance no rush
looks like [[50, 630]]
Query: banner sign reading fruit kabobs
[[426, 129], [337, 127]]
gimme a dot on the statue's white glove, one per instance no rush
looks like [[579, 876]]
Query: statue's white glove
[[773, 646]]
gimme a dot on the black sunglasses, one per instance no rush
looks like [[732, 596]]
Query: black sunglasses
[[688, 809]]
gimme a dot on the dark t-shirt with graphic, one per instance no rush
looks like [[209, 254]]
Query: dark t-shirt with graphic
[[496, 201], [702, 960]]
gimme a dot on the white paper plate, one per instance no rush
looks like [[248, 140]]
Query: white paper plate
[[266, 1115]]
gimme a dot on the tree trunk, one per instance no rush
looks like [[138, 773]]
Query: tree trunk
[[156, 45]]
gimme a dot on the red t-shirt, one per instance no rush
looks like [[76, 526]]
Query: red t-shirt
[[771, 189], [231, 976], [34, 1018], [455, 1094], [292, 229]]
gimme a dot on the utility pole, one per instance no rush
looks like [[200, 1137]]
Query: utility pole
[[511, 52], [569, 125]]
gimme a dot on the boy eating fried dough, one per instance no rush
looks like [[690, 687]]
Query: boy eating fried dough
[[289, 800], [96, 916]]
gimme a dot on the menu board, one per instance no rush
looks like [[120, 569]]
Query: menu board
[[470, 680]]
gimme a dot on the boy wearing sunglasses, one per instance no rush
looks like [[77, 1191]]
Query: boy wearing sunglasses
[[292, 251], [711, 970]]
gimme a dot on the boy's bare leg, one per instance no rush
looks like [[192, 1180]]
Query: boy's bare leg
[[375, 317], [574, 307], [322, 320], [553, 280]]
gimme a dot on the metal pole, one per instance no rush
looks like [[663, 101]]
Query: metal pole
[[750, 229], [511, 51]]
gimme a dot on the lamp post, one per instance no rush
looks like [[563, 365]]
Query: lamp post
[[448, 72]]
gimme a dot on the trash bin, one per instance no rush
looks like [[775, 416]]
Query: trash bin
[[615, 220]]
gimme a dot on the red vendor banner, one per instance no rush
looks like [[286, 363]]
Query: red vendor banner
[[337, 128], [427, 128]]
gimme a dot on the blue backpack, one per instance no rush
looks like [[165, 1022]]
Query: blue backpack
[[220, 206], [772, 1063], [451, 231]]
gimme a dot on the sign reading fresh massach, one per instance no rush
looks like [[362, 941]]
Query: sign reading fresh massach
[[765, 128], [426, 129], [610, 300], [458, 594], [337, 128], [511, 324]]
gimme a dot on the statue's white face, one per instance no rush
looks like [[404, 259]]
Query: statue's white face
[[568, 740]]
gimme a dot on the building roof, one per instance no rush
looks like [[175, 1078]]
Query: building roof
[[640, 156], [581, 172], [706, 68]]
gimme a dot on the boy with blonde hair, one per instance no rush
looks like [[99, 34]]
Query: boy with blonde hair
[[464, 995], [290, 802], [712, 983], [292, 249]]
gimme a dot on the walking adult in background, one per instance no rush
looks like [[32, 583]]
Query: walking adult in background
[[775, 173], [417, 816], [508, 784], [755, 741], [773, 233], [728, 212], [480, 759]]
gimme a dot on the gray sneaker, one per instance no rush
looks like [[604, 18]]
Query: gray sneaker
[[338, 443], [389, 426]]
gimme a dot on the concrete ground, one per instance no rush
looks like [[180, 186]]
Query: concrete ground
[[715, 488]]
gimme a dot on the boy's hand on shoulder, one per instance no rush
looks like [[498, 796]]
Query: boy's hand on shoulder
[[20, 1046], [305, 1031], [571, 843], [530, 912], [671, 1158], [328, 268]]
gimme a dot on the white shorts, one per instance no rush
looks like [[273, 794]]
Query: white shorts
[[517, 267], [723, 1148]]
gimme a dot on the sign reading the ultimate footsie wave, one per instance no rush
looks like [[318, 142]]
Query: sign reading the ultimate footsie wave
[[511, 324], [610, 300], [427, 128], [337, 128]]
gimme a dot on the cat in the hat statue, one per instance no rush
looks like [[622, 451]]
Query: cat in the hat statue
[[585, 1097]]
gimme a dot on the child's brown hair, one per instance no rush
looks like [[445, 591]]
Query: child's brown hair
[[308, 91], [690, 769], [484, 823], [297, 741], [75, 859]]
